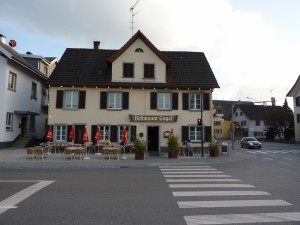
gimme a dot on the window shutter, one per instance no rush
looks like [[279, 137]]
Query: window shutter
[[103, 100], [153, 100], [133, 133], [184, 133], [82, 99], [206, 103], [94, 131], [125, 98], [113, 133], [185, 101], [207, 134], [59, 99], [175, 101]]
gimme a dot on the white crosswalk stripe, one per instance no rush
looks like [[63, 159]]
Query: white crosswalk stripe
[[273, 151], [193, 181]]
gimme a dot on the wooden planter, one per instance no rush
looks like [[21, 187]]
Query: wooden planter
[[139, 156], [214, 153], [172, 154]]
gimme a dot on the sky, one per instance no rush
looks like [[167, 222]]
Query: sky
[[252, 46]]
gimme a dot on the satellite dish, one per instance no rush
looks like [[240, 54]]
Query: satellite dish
[[12, 43]]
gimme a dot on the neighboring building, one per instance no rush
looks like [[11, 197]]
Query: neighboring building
[[23, 97], [222, 124], [295, 93], [254, 120], [138, 87]]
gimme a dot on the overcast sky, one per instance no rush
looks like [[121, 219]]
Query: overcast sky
[[252, 46]]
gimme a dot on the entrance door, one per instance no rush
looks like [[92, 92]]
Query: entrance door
[[24, 127], [153, 140], [79, 130]]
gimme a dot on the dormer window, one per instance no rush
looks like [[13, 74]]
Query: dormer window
[[148, 70], [139, 50], [128, 70]]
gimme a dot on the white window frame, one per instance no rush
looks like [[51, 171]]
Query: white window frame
[[12, 81], [164, 100], [195, 133], [114, 100], [9, 121], [61, 133], [105, 131], [71, 99], [195, 101]]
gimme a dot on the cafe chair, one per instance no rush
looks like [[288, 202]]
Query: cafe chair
[[105, 153], [190, 151], [181, 151], [78, 153], [30, 153], [39, 152], [68, 153], [116, 153]]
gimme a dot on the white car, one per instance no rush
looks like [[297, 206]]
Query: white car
[[250, 142]]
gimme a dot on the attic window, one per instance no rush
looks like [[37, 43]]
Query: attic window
[[139, 50]]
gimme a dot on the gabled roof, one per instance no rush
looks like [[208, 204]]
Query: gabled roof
[[261, 112], [89, 67], [294, 89], [140, 35], [226, 106], [15, 56]]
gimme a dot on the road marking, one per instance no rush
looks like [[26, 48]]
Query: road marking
[[176, 167], [191, 172], [243, 218], [268, 159], [187, 169], [197, 175], [203, 180], [11, 201], [217, 193], [284, 163], [287, 158], [209, 185], [231, 203]]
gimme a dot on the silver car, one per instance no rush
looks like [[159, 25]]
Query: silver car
[[250, 142]]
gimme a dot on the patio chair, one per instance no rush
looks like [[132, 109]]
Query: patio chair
[[30, 153], [105, 153], [68, 153], [116, 153], [181, 151], [78, 153], [39, 152]]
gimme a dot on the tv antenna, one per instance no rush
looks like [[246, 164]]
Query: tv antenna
[[133, 14]]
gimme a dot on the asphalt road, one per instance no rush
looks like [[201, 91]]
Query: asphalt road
[[147, 195]]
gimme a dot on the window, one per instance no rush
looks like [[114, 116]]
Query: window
[[12, 81], [298, 118], [139, 50], [61, 133], [34, 90], [298, 101], [115, 100], [148, 70], [243, 123], [195, 134], [9, 121], [46, 70], [217, 131], [121, 133], [257, 123], [217, 123], [164, 101], [71, 99], [128, 70], [105, 132], [195, 101], [241, 114]]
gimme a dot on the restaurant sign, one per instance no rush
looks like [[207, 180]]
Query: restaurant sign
[[151, 118]]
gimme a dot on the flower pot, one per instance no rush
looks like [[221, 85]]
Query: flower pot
[[172, 154], [139, 156], [214, 153]]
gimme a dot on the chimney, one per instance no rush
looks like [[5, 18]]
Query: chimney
[[96, 44], [273, 101], [2, 39]]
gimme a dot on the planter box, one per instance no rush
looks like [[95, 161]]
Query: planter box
[[214, 153], [172, 154], [139, 156]]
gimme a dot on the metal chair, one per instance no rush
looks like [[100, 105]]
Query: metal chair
[[30, 153]]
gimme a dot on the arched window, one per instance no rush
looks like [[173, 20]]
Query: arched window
[[139, 50]]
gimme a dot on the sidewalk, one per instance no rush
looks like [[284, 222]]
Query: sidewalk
[[11, 158]]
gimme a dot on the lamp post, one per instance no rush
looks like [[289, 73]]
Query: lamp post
[[202, 150], [232, 125]]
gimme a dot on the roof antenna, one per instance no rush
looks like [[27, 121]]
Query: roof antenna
[[133, 14]]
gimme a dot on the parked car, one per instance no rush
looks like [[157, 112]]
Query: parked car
[[250, 142]]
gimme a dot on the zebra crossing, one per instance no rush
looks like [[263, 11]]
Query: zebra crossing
[[193, 181], [273, 151]]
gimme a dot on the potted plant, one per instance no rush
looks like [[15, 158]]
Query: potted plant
[[173, 146], [139, 147], [214, 148]]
